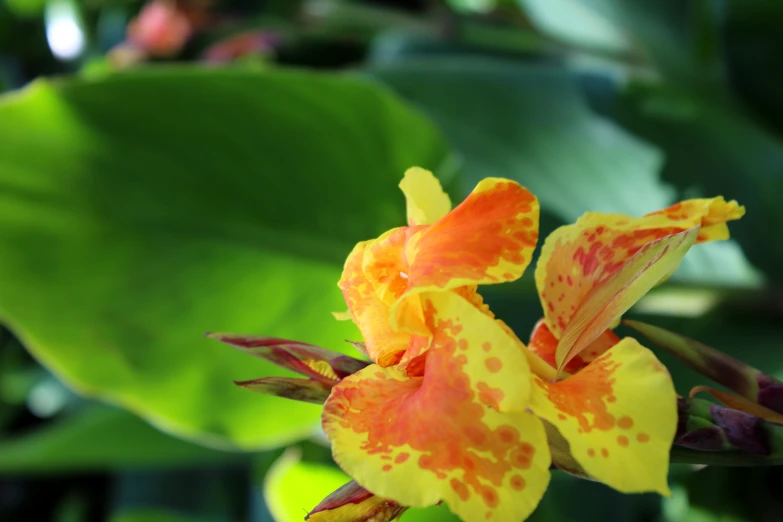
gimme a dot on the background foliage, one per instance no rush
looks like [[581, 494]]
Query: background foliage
[[168, 169]]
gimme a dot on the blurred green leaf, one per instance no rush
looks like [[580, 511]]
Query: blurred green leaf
[[530, 123], [753, 54], [139, 211], [714, 149], [571, 21], [682, 37], [153, 515], [100, 437]]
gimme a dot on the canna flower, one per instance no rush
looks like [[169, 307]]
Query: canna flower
[[588, 275], [441, 415]]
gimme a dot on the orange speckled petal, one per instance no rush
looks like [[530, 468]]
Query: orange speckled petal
[[606, 302], [619, 416], [489, 238], [544, 344], [424, 440], [711, 214], [384, 345], [438, 437], [577, 257], [425, 198]]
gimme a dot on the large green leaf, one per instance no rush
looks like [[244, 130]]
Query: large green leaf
[[141, 210], [100, 437]]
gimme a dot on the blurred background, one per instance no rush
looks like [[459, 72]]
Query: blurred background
[[173, 168]]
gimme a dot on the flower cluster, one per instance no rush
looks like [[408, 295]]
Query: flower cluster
[[454, 407]]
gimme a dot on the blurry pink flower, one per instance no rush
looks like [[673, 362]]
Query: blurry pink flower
[[161, 29]]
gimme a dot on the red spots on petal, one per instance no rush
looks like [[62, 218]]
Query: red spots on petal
[[508, 434], [570, 281], [489, 395], [642, 437], [486, 347], [494, 364], [625, 423], [561, 416], [591, 452], [520, 459], [622, 440], [387, 467], [585, 395], [490, 496], [605, 452], [551, 307], [460, 489], [402, 457], [518, 483], [462, 344]]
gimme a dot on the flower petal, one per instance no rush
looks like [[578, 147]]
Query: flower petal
[[440, 437], [711, 214], [619, 416], [425, 198], [384, 345], [544, 344], [575, 258], [353, 503], [489, 238], [608, 300], [305, 390], [305, 359]]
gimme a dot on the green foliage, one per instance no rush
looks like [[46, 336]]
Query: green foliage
[[140, 211], [101, 437]]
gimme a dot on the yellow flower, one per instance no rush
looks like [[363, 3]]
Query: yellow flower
[[618, 409], [442, 415]]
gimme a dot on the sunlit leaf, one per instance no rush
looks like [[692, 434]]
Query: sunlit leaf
[[141, 210]]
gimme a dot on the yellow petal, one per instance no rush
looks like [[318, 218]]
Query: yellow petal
[[384, 345], [426, 201], [575, 258], [445, 436], [711, 214], [619, 416], [614, 295]]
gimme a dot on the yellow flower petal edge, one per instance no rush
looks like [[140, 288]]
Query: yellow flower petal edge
[[575, 258], [619, 416], [447, 435], [425, 198]]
